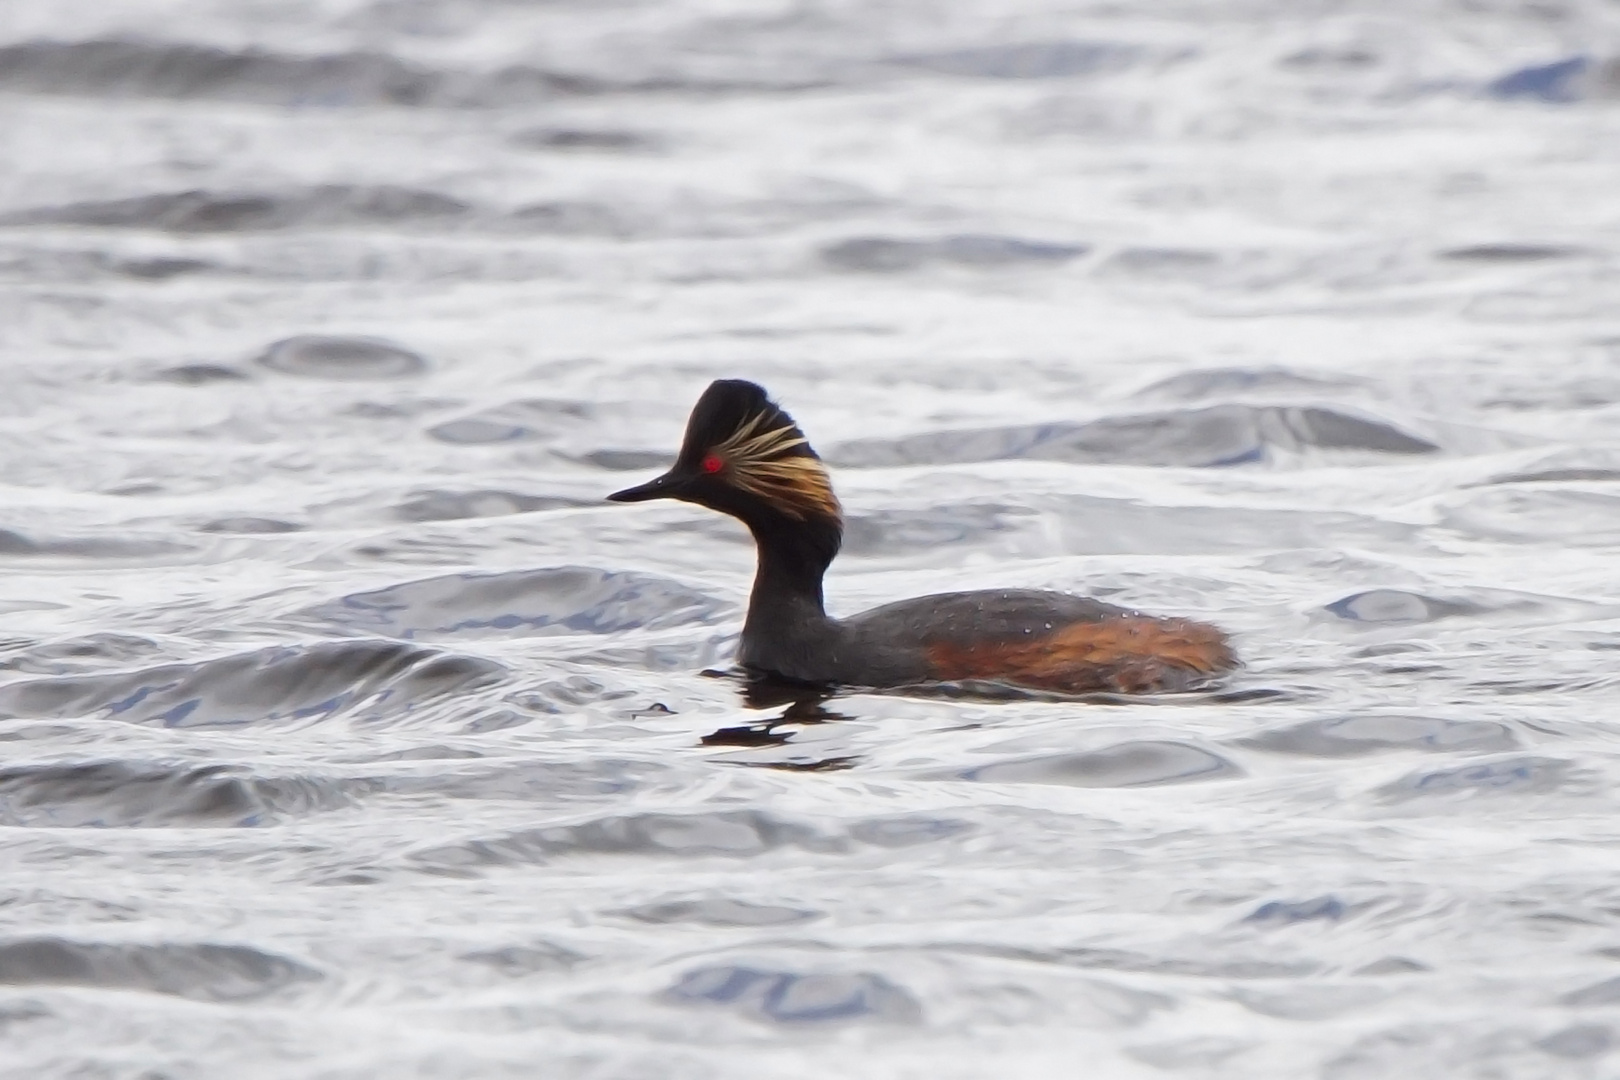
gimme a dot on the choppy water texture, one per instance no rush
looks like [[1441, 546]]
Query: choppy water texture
[[347, 733]]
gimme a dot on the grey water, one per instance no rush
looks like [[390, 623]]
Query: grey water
[[346, 732]]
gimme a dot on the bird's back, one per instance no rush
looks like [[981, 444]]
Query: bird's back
[[1034, 638]]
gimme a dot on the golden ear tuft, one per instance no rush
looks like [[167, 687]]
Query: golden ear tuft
[[762, 463]]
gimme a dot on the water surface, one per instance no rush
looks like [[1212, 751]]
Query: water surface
[[345, 732]]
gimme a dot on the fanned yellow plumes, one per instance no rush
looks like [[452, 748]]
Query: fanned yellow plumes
[[797, 484]]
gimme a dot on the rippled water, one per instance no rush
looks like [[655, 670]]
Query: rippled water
[[348, 733]]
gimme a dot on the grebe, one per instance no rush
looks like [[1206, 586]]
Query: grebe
[[745, 457]]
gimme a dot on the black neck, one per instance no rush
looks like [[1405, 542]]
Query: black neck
[[793, 558], [787, 625]]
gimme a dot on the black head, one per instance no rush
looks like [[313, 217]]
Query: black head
[[745, 457]]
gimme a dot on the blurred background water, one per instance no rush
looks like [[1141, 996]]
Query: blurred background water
[[347, 733]]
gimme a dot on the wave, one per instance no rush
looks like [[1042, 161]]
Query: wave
[[202, 211], [732, 833], [787, 997], [105, 794], [202, 972], [1128, 764], [555, 600], [1218, 435], [144, 67], [284, 683], [887, 254]]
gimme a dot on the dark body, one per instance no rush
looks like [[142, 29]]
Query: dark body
[[1045, 640], [745, 457]]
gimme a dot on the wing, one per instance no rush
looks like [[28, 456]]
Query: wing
[[1044, 640], [986, 614]]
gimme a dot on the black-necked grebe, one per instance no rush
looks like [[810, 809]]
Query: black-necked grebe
[[745, 457]]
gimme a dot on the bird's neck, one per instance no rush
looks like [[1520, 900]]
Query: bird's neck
[[787, 627]]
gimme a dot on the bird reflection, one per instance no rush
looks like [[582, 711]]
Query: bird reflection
[[767, 692], [802, 707]]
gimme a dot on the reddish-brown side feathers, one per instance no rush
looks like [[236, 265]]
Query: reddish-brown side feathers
[[1130, 655]]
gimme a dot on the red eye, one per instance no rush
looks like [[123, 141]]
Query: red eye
[[713, 464]]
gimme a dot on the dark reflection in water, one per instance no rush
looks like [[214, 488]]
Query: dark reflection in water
[[767, 692], [780, 731]]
